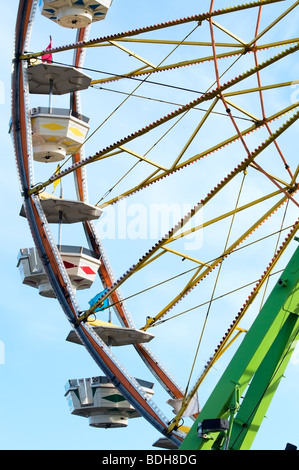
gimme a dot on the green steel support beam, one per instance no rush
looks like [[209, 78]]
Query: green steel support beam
[[263, 386], [256, 368]]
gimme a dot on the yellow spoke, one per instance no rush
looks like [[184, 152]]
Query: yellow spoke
[[195, 18], [228, 337], [190, 140], [219, 259], [224, 216], [278, 180], [229, 33], [156, 177], [274, 23], [140, 157], [164, 68], [260, 88], [243, 111], [183, 255], [173, 42], [131, 53]]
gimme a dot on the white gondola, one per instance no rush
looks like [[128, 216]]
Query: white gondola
[[45, 79], [114, 335], [80, 263], [56, 133], [98, 400], [66, 211], [75, 13]]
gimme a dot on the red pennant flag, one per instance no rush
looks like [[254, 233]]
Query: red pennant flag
[[48, 57]]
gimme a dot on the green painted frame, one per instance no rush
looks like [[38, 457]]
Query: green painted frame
[[255, 370]]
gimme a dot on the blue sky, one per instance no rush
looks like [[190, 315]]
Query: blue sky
[[37, 360]]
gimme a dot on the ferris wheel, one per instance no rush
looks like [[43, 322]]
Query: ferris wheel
[[188, 202]]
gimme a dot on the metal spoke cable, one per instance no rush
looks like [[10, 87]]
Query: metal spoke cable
[[258, 75], [141, 160], [229, 231], [213, 300], [276, 248], [145, 80], [210, 112], [169, 102], [214, 287], [194, 269], [186, 399], [142, 81]]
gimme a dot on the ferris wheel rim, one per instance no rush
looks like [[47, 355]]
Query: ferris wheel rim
[[37, 222], [33, 210]]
